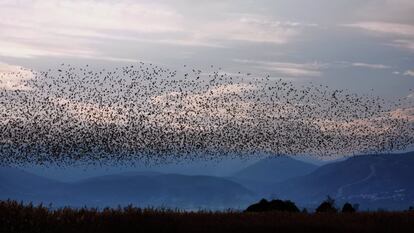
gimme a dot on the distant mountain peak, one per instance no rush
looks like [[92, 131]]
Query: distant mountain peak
[[275, 169], [374, 181]]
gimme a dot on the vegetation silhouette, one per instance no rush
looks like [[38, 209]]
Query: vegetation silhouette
[[348, 208], [16, 217], [274, 205], [327, 206]]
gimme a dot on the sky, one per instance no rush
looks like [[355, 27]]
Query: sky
[[351, 44], [347, 44]]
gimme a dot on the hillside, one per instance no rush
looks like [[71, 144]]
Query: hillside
[[374, 181], [147, 189], [261, 175]]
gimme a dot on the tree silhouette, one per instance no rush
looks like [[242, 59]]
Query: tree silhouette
[[348, 208], [328, 206], [274, 205]]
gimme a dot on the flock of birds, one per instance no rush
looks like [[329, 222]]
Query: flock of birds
[[144, 112]]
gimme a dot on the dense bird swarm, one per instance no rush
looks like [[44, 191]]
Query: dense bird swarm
[[144, 112]]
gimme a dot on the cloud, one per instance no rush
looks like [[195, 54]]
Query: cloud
[[409, 73], [72, 28], [370, 66], [86, 17], [402, 35], [77, 28], [250, 29], [386, 28], [12, 77], [32, 49], [290, 69], [6, 68], [405, 44]]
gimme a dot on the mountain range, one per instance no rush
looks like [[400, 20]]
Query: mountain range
[[141, 189], [261, 175], [373, 181]]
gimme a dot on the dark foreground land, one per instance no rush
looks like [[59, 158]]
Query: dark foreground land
[[16, 217]]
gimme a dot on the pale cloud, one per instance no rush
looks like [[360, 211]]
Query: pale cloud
[[12, 77], [294, 70], [33, 28], [409, 73], [6, 68], [70, 28], [402, 34], [289, 69], [370, 66], [293, 33], [88, 16], [405, 44], [252, 28], [387, 28], [29, 50]]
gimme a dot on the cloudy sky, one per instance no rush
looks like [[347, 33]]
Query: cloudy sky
[[351, 44]]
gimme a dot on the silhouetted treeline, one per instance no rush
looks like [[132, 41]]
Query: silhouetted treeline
[[16, 217], [327, 206], [274, 205]]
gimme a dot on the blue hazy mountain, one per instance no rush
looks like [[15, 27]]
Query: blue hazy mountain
[[373, 181], [261, 175], [220, 168], [140, 189], [275, 169], [19, 185], [18, 182]]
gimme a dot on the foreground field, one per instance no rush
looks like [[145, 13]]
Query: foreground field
[[15, 217]]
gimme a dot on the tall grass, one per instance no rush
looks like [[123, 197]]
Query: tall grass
[[17, 217]]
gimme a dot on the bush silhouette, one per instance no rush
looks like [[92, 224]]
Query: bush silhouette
[[348, 208], [17, 217], [328, 206], [274, 205]]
